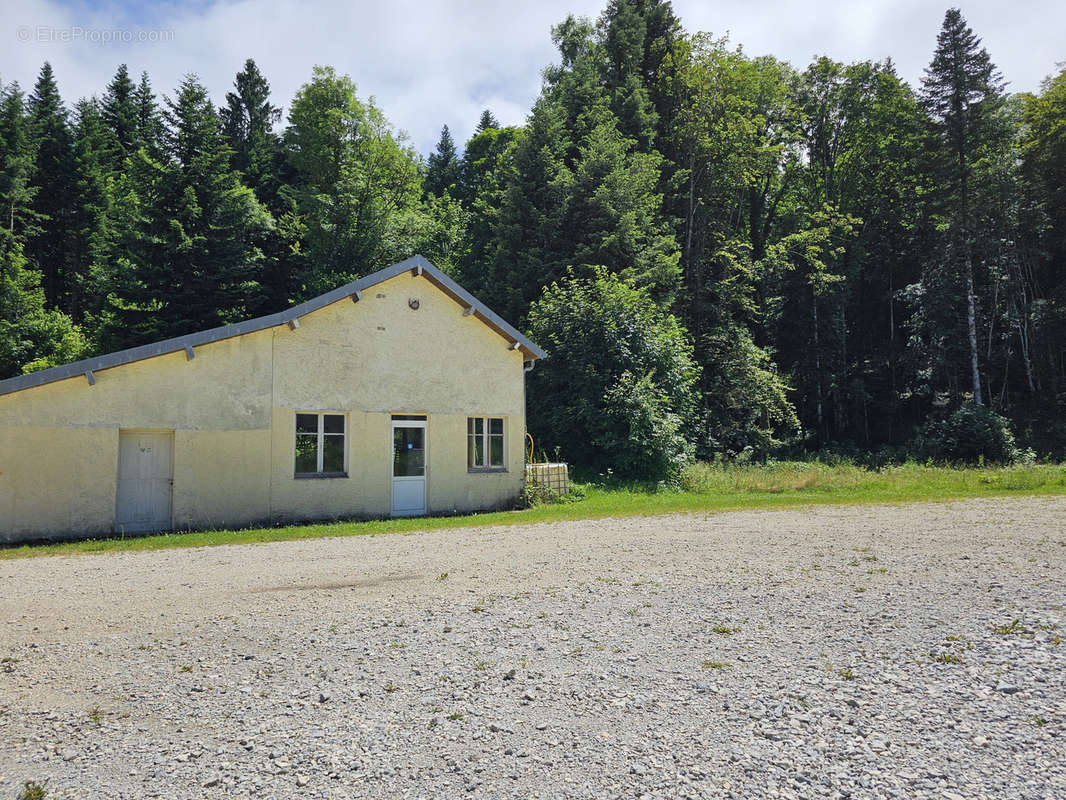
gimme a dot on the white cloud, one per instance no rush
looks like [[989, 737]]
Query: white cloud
[[431, 63]]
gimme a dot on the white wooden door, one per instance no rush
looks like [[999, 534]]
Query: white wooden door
[[145, 480], [408, 467]]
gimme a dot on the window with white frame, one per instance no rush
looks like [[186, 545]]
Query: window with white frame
[[320, 446], [484, 443]]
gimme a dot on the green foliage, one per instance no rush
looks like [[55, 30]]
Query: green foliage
[[746, 408], [971, 434], [534, 494], [487, 121], [443, 166], [962, 93], [33, 790], [585, 187], [248, 120], [16, 165], [184, 251], [49, 246], [119, 110], [354, 179], [32, 337], [485, 170], [845, 254], [617, 391]]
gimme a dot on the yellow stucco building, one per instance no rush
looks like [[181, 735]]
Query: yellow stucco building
[[397, 394]]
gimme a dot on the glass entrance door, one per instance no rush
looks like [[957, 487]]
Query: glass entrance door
[[408, 467]]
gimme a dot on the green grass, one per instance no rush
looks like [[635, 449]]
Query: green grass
[[706, 487]]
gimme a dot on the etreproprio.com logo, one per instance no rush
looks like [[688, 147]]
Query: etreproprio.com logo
[[49, 34]]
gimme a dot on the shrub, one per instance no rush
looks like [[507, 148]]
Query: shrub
[[971, 434], [617, 392], [32, 790]]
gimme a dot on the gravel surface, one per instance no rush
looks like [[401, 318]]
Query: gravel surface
[[890, 651]]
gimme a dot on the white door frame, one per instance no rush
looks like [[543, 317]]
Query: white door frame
[[411, 481]]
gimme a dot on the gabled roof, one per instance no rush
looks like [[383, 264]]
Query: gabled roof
[[416, 264]]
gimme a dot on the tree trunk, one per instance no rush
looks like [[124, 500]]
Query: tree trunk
[[971, 328], [817, 361]]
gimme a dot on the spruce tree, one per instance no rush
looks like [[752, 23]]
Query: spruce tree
[[487, 121], [487, 161], [31, 336], [119, 110], [149, 129], [49, 250], [248, 120], [443, 165], [16, 165], [94, 151], [184, 254], [962, 91], [532, 247]]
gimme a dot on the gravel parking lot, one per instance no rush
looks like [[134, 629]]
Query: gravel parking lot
[[889, 651]]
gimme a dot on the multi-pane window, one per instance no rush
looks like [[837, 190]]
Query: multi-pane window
[[319, 445], [484, 442]]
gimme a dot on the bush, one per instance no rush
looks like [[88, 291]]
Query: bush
[[972, 434], [617, 393], [650, 445]]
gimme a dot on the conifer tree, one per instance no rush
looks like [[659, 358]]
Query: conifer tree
[[962, 91], [94, 151], [532, 246], [49, 250], [248, 120], [443, 166], [487, 121], [184, 255], [31, 336], [149, 121], [119, 109], [16, 165], [487, 162]]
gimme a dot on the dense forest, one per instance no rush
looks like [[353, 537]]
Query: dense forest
[[724, 256]]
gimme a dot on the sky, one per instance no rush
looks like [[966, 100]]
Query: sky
[[435, 62]]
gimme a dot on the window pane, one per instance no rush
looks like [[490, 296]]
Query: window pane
[[408, 452], [496, 451], [334, 423], [307, 423], [475, 456], [306, 453], [496, 426], [413, 464], [333, 453]]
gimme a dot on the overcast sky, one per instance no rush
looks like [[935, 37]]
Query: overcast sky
[[430, 63]]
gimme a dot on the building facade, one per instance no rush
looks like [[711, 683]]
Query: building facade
[[397, 394]]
